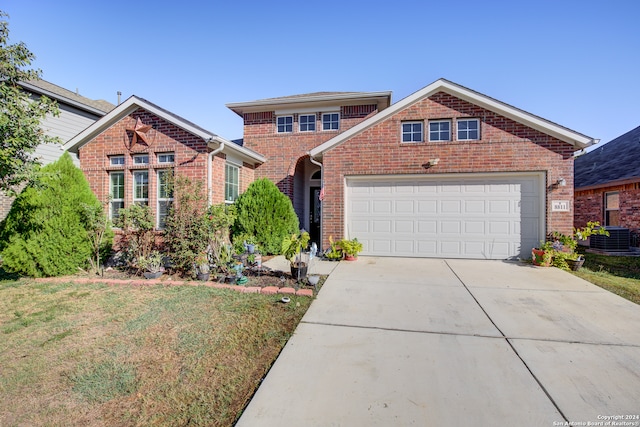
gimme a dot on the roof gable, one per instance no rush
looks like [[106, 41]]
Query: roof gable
[[133, 103], [617, 160], [312, 100], [564, 134]]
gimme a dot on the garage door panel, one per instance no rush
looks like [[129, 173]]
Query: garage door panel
[[427, 206], [474, 227], [405, 246], [360, 227], [404, 207], [450, 206], [450, 247], [427, 227], [404, 226], [427, 248], [360, 206], [497, 207], [474, 207], [381, 207], [494, 217]]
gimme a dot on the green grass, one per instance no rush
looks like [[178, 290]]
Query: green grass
[[620, 275], [89, 355]]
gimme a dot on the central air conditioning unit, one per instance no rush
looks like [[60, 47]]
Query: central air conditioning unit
[[619, 239]]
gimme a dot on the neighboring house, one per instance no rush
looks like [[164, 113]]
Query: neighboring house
[[76, 113], [127, 153], [607, 183], [445, 172]]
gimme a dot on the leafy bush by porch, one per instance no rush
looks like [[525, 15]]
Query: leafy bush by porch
[[45, 233], [264, 212]]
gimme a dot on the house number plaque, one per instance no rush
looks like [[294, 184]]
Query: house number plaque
[[559, 206]]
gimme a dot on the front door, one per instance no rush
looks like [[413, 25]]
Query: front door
[[315, 214]]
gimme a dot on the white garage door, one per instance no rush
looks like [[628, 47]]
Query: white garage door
[[454, 216]]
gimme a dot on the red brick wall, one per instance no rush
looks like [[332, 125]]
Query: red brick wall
[[589, 205], [505, 146], [190, 158], [283, 150]]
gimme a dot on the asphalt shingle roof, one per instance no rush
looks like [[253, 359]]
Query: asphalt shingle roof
[[616, 160], [99, 104]]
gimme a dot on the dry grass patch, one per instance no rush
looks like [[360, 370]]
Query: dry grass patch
[[93, 355]]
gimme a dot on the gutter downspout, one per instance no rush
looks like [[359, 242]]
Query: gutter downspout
[[210, 169], [317, 163]]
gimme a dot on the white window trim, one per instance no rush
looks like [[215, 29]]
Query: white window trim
[[411, 122], [137, 200], [112, 158], [329, 114], [226, 182], [111, 198], [278, 126], [458, 129], [169, 153], [160, 199], [140, 156], [440, 121], [315, 119]]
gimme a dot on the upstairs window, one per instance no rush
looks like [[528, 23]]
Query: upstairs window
[[141, 159], [412, 132], [307, 122], [468, 129], [331, 121], [116, 160], [440, 130], [285, 124], [166, 157]]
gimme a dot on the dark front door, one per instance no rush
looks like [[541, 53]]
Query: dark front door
[[315, 214]]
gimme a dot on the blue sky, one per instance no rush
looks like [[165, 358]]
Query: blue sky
[[576, 63]]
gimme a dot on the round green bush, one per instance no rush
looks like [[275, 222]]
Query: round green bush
[[267, 214], [44, 233]]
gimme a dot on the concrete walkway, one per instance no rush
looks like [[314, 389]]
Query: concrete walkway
[[432, 342]]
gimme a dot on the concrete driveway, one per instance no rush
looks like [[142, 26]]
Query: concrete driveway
[[433, 342]]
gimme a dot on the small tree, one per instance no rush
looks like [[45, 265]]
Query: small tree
[[267, 214], [187, 229], [99, 233], [220, 218], [20, 115], [45, 232], [138, 237]]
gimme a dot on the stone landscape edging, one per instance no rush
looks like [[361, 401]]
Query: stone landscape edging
[[268, 290]]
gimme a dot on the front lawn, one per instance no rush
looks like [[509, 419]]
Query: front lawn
[[617, 274], [89, 355]]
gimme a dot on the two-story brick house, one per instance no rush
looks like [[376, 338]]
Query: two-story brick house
[[285, 129], [445, 172]]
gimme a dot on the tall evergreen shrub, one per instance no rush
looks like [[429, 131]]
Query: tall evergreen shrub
[[264, 212], [44, 233]]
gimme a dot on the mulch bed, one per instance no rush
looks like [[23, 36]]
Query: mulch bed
[[256, 278]]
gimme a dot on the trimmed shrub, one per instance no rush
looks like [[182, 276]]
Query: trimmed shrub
[[267, 214], [45, 231]]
